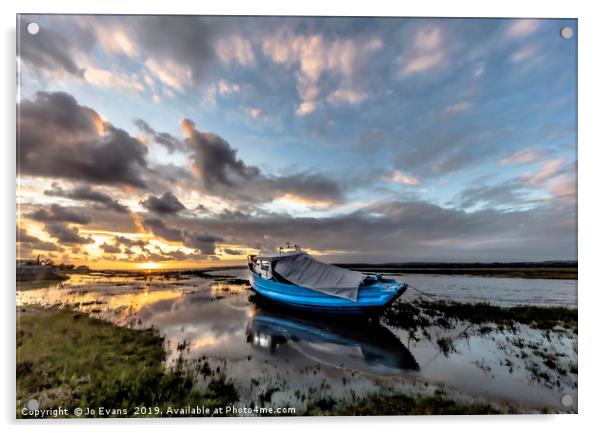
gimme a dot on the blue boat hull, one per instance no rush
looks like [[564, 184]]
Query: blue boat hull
[[372, 298]]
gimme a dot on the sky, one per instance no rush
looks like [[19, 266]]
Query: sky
[[189, 141]]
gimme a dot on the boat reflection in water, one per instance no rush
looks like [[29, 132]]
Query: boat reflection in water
[[361, 345]]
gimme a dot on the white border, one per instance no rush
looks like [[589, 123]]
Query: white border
[[589, 198]]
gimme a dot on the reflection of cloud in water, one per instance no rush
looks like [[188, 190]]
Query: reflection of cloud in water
[[114, 298], [205, 323]]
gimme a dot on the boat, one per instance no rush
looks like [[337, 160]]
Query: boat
[[38, 270], [357, 344], [296, 279]]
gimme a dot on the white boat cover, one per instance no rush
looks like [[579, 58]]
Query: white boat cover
[[305, 271]]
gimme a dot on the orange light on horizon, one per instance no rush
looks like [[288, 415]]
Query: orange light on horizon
[[149, 265]]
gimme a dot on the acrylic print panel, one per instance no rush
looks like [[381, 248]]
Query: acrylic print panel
[[180, 178]]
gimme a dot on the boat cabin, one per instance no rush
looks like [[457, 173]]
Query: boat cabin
[[263, 265]]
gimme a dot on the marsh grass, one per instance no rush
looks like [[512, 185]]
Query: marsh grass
[[68, 359], [398, 404], [421, 314]]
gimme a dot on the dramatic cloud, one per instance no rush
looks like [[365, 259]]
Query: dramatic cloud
[[50, 50], [221, 172], [160, 229], [170, 142], [129, 243], [166, 204], [59, 138], [110, 249], [203, 242], [67, 234], [412, 230], [28, 242], [86, 193], [232, 252], [60, 214], [183, 58]]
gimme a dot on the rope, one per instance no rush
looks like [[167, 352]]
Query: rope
[[423, 293]]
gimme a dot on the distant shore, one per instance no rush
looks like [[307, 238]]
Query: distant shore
[[561, 270], [557, 270]]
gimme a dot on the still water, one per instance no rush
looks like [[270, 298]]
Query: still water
[[279, 357]]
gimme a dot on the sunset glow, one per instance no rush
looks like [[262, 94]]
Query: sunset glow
[[149, 265]]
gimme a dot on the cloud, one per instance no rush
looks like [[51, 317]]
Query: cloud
[[160, 229], [403, 179], [233, 252], [185, 57], [457, 107], [427, 52], [203, 242], [558, 177], [164, 205], [347, 95], [59, 138], [526, 156], [28, 242], [523, 53], [114, 39], [49, 51], [409, 230], [316, 56], [226, 87], [235, 49], [506, 194], [257, 114], [214, 160], [59, 213], [66, 234], [175, 75], [548, 171], [429, 38], [423, 62], [306, 108], [113, 79], [522, 27], [221, 173], [564, 188], [110, 249], [86, 193], [129, 243], [165, 139]]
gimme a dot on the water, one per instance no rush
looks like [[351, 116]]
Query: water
[[498, 291], [292, 356]]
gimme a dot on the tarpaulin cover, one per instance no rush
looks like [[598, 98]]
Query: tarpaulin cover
[[303, 270]]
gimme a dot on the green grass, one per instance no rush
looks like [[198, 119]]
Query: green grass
[[398, 404], [69, 359], [425, 313]]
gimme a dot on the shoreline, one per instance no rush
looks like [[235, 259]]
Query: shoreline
[[76, 344], [489, 270]]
